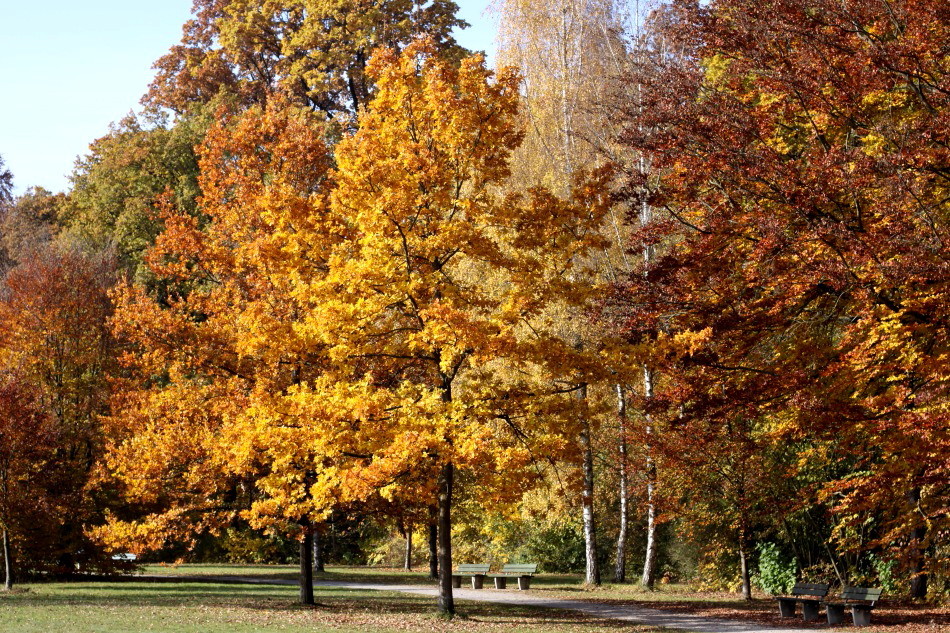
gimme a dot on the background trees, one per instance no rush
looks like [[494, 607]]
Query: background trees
[[314, 50], [56, 353], [802, 179], [349, 287]]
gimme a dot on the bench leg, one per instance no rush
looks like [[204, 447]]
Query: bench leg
[[861, 616], [835, 613], [524, 583], [500, 582], [456, 581], [477, 581], [809, 610], [786, 608]]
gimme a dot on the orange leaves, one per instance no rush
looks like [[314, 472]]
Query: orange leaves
[[332, 336]]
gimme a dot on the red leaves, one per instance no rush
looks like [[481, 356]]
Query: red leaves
[[796, 148]]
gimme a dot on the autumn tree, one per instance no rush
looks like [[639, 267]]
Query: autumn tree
[[316, 51], [29, 224], [206, 431], [802, 189], [568, 51], [55, 344], [28, 448], [115, 187], [444, 282]]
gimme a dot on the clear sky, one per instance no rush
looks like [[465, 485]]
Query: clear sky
[[69, 68]]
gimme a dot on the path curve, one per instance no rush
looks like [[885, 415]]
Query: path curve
[[626, 612]]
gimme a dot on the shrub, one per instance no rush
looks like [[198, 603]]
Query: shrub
[[776, 572]]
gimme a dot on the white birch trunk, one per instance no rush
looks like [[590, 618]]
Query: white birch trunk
[[620, 560]]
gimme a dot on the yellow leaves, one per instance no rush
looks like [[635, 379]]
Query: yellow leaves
[[340, 335], [716, 69]]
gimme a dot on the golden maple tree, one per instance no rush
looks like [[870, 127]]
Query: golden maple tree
[[444, 282]]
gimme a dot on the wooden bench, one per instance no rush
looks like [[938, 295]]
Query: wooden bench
[[522, 571], [860, 599], [810, 595], [477, 572]]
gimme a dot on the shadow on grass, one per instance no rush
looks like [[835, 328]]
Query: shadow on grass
[[345, 602]]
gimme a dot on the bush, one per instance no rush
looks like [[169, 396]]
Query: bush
[[776, 572], [557, 547]]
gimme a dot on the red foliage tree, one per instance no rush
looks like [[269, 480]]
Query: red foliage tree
[[802, 155]]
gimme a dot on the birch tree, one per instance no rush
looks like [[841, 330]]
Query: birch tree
[[568, 50]]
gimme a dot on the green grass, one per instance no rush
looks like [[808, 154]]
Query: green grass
[[207, 607], [381, 575]]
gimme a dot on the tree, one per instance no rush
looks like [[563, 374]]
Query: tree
[[29, 224], [28, 449], [444, 283], [54, 340], [804, 189], [6, 184], [567, 51], [115, 188], [315, 51], [206, 430]]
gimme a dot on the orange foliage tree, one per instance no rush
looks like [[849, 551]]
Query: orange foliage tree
[[204, 432], [356, 335]]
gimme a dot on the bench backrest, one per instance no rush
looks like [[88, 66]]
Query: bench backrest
[[809, 589], [861, 593], [520, 568], [473, 569]]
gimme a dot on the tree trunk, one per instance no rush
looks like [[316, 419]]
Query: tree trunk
[[918, 579], [433, 543], [7, 562], [648, 579], [317, 553], [744, 568], [408, 564], [592, 572], [446, 604], [620, 561], [306, 569]]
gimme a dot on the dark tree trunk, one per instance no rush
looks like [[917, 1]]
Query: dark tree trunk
[[433, 543], [918, 579], [744, 567], [620, 560], [446, 600], [306, 569], [317, 553], [408, 563], [7, 562]]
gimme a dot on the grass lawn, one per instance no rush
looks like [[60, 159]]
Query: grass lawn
[[133, 607]]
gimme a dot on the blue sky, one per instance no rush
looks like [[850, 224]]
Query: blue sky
[[70, 72]]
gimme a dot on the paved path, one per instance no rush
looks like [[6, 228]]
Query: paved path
[[626, 612]]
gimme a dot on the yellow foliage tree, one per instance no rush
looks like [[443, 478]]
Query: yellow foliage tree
[[444, 282]]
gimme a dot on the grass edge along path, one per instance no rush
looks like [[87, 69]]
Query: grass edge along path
[[625, 613]]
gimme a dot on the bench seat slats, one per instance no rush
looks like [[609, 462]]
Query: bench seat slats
[[810, 589], [473, 569], [520, 569], [866, 594]]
